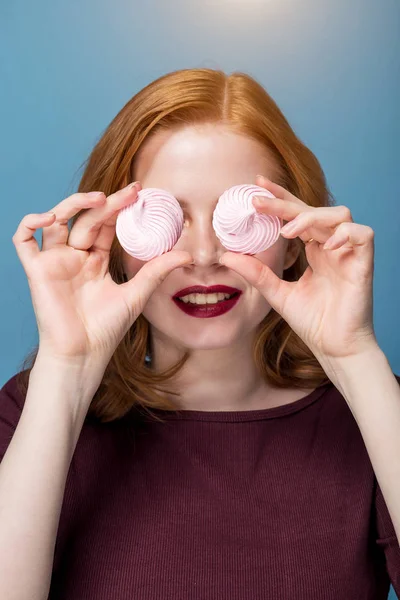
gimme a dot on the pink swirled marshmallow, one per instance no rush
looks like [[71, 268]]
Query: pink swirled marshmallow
[[239, 226], [151, 225]]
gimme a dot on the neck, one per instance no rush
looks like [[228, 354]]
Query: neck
[[223, 379]]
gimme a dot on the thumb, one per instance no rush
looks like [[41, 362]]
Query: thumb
[[138, 290], [274, 289]]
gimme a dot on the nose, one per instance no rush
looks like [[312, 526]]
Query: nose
[[199, 239]]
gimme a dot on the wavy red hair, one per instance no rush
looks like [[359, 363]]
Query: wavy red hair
[[182, 98]]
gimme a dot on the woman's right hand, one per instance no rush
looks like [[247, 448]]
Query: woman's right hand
[[82, 314]]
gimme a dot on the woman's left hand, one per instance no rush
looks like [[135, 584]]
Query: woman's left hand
[[330, 306]]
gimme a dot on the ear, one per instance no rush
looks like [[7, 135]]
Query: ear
[[292, 252]]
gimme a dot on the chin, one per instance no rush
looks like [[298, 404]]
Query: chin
[[182, 331], [200, 335], [207, 343]]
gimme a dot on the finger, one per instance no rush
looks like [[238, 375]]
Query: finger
[[96, 228], [106, 233], [278, 191], [274, 289], [23, 239], [354, 234], [138, 290], [57, 234], [317, 223], [284, 209]]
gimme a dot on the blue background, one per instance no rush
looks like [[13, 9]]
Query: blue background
[[67, 68]]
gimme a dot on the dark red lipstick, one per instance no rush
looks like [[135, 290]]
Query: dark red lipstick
[[205, 311]]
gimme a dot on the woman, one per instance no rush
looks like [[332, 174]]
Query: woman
[[158, 454]]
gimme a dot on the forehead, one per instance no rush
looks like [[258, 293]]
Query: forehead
[[197, 149]]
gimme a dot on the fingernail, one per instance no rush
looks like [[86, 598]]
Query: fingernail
[[328, 244], [94, 194], [288, 227], [131, 185], [261, 201]]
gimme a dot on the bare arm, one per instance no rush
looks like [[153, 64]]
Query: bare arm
[[82, 316], [33, 475]]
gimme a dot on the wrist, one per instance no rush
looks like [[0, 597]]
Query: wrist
[[347, 372], [74, 374]]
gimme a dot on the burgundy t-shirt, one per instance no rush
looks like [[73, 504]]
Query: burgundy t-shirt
[[276, 504]]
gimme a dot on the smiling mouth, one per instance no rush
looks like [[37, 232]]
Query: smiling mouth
[[205, 300], [209, 309]]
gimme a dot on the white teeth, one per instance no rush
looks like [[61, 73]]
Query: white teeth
[[204, 298]]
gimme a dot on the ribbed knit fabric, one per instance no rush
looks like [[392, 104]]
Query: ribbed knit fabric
[[275, 504]]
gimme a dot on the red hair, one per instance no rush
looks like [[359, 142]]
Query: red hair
[[182, 98]]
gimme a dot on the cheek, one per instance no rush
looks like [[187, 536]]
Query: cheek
[[272, 258]]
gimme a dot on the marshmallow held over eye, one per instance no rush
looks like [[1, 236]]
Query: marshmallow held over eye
[[238, 225], [151, 225]]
